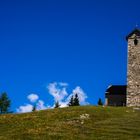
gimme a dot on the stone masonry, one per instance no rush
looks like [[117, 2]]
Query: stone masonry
[[133, 73]]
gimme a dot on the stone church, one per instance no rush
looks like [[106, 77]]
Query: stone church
[[121, 95]]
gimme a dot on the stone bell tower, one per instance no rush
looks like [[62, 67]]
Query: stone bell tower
[[133, 73]]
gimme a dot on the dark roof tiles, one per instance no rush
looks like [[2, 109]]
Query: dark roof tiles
[[135, 31], [116, 90]]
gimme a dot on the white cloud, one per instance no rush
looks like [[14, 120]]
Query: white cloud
[[57, 91], [81, 94], [60, 94], [63, 104], [41, 105], [63, 84], [28, 107], [33, 97], [25, 108]]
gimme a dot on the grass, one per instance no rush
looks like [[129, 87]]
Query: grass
[[103, 123]]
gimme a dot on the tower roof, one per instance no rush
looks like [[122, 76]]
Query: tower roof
[[136, 31]]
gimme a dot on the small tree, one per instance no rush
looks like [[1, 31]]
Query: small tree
[[34, 108], [5, 103], [71, 103], [76, 100], [57, 105], [100, 101]]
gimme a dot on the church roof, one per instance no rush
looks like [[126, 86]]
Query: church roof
[[116, 90], [135, 31]]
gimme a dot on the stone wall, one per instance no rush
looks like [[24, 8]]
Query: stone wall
[[133, 74]]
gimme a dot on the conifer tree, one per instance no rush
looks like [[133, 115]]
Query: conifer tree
[[76, 100], [71, 103], [57, 105], [100, 101], [5, 103], [34, 108]]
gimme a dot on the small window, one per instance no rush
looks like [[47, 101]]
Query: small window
[[135, 42]]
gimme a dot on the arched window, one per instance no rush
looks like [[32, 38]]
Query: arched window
[[135, 42]]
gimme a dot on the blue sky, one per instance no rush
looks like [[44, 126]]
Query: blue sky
[[81, 43]]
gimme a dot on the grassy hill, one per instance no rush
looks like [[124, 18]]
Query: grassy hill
[[74, 123]]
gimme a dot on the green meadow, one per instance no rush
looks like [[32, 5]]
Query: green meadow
[[73, 123]]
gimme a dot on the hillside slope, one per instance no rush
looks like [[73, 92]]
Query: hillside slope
[[74, 123]]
